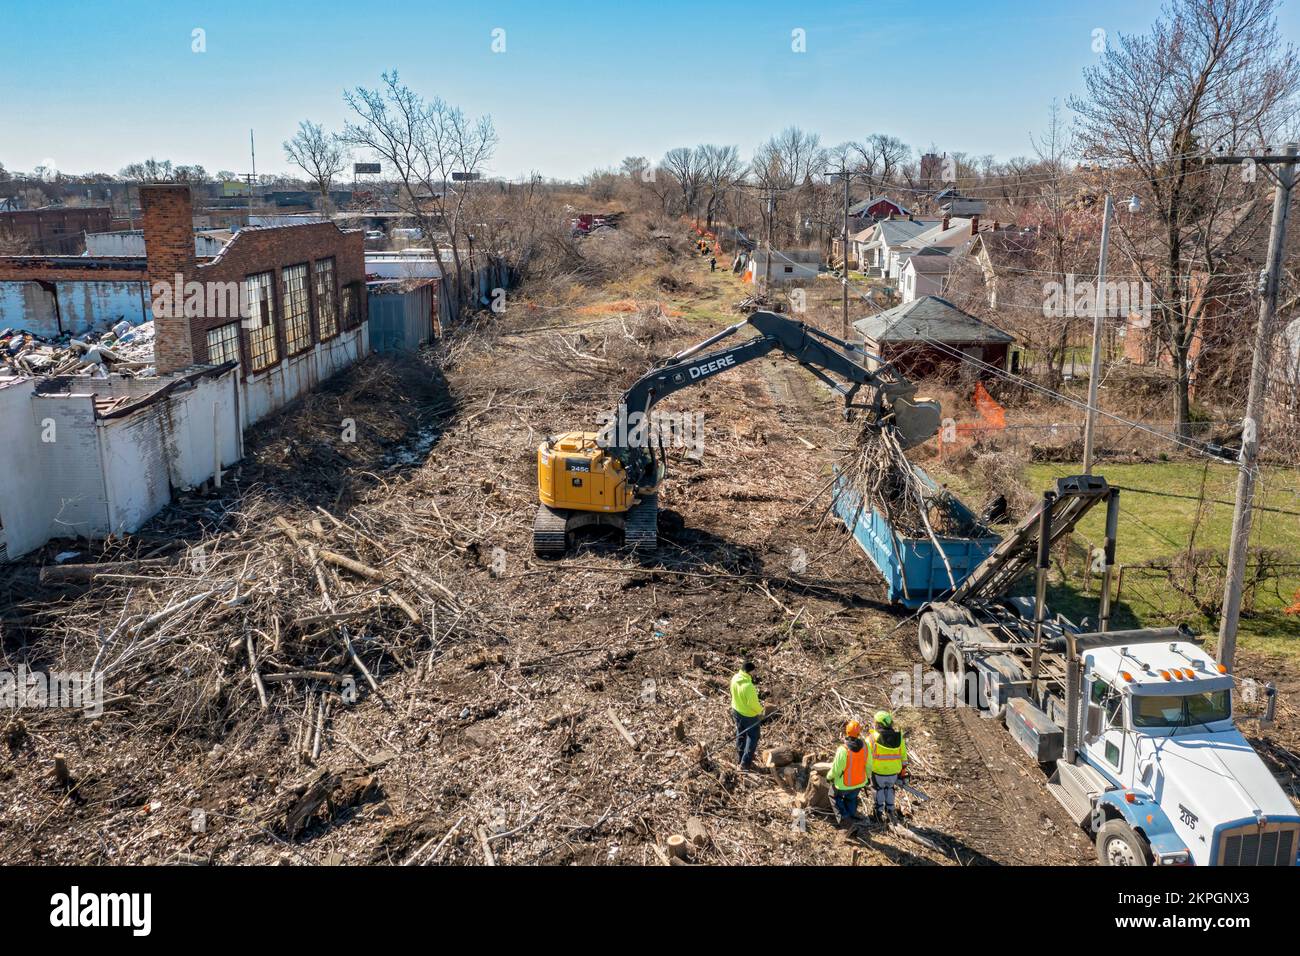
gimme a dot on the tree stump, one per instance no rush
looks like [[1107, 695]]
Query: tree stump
[[678, 848], [696, 832]]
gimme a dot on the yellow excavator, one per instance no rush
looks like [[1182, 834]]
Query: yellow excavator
[[612, 477]]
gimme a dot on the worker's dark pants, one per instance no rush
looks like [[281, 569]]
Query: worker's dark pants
[[746, 737], [846, 802], [884, 790]]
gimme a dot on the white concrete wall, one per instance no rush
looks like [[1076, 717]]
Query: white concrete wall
[[167, 444], [76, 500], [82, 306], [133, 456], [24, 518], [100, 476], [265, 392], [131, 243]]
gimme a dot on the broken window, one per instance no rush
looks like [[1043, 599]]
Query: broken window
[[223, 343], [262, 347], [297, 314], [351, 306], [327, 303]]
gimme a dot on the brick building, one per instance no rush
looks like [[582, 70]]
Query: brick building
[[56, 230], [302, 287], [288, 303]]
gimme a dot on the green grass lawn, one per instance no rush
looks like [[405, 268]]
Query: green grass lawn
[[1155, 527]]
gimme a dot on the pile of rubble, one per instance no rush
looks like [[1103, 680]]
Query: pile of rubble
[[123, 348]]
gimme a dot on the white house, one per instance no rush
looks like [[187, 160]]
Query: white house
[[885, 237], [926, 273], [952, 235], [788, 265]]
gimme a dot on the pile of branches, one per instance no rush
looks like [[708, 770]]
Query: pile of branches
[[294, 615], [610, 355], [877, 474]]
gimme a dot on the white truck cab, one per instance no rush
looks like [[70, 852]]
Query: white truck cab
[[1176, 783]]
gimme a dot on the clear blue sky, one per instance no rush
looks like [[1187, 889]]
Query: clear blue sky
[[95, 85]]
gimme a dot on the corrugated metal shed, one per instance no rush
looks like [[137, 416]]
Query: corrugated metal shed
[[402, 316]]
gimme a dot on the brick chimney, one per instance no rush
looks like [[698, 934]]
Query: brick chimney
[[945, 223], [169, 251]]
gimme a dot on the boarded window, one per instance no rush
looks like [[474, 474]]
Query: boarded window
[[297, 311], [327, 300], [223, 343], [262, 347]]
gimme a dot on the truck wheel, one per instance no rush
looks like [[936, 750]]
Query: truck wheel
[[954, 675], [1118, 844], [988, 695], [928, 639]]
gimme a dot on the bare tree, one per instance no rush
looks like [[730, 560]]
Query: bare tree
[[720, 169], [424, 142], [787, 166], [683, 163], [319, 154], [880, 157], [1211, 74]]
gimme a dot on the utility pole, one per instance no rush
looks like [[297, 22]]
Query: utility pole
[[844, 251], [1098, 316], [1271, 278], [252, 184], [767, 262]]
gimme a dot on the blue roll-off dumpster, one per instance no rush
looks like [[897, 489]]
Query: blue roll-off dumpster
[[913, 570]]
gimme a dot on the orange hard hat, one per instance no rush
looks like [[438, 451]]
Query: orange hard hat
[[853, 729]]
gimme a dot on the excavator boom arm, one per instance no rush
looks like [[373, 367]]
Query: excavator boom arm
[[822, 354]]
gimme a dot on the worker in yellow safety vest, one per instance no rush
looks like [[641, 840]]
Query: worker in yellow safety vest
[[848, 773], [888, 758], [748, 713]]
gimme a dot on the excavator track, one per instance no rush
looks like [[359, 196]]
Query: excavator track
[[641, 532], [550, 533]]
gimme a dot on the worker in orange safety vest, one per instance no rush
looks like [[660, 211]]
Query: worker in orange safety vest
[[848, 773]]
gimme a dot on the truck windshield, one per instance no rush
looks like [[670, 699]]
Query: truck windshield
[[1181, 710]]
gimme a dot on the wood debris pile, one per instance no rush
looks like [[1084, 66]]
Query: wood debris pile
[[877, 471]]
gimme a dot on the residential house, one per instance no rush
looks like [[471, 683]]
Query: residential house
[[868, 212], [930, 335], [1221, 303], [787, 266], [950, 202], [925, 273], [885, 237], [1005, 258], [953, 235]]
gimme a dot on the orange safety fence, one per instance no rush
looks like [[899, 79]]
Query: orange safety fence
[[992, 417]]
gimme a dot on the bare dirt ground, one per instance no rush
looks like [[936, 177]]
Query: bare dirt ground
[[505, 693]]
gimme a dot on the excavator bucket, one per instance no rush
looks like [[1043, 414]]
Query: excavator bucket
[[915, 420]]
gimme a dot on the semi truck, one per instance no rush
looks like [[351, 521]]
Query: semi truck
[[1134, 729]]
